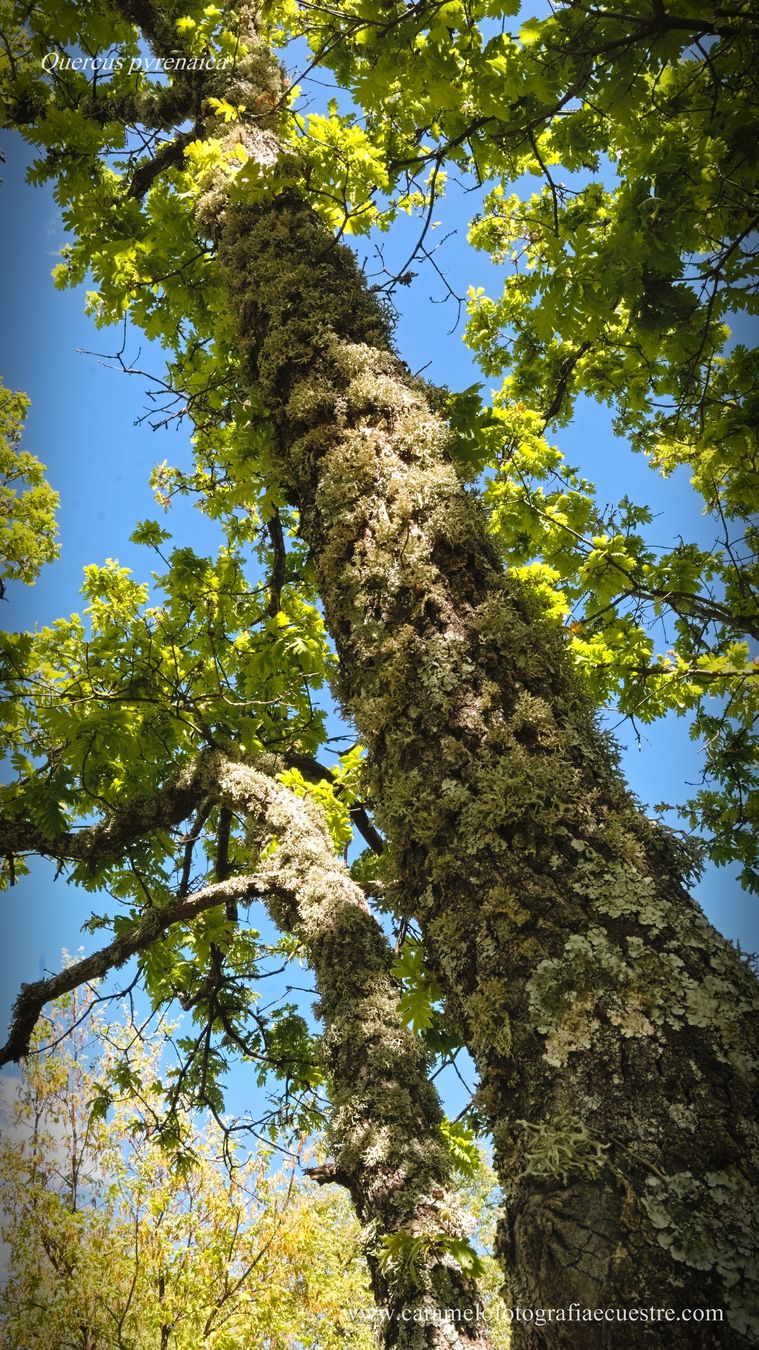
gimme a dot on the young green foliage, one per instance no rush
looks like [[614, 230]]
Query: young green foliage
[[111, 1239], [27, 502], [617, 150]]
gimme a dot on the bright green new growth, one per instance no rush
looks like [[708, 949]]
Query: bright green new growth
[[106, 1227], [27, 502], [626, 270]]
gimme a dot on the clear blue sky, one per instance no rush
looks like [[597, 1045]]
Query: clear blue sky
[[82, 425]]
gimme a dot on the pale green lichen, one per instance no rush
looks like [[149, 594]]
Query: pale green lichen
[[684, 1117], [618, 888], [560, 1148], [484, 760], [642, 991], [490, 1019], [709, 1224]]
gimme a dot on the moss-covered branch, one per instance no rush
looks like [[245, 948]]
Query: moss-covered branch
[[110, 838]]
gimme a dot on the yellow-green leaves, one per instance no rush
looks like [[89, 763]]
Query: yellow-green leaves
[[420, 993], [110, 1222], [465, 1151], [323, 792], [27, 502], [345, 171], [653, 630], [139, 683]]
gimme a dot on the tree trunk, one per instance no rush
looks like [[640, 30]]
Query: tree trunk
[[613, 1028]]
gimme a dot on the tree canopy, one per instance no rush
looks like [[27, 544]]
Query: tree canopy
[[112, 1244], [616, 154]]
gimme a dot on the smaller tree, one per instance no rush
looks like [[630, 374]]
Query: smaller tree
[[117, 1241], [27, 502]]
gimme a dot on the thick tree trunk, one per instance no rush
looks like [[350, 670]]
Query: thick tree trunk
[[613, 1029]]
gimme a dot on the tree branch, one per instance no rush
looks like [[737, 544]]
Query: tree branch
[[153, 924], [314, 772], [99, 843], [168, 156], [279, 563], [377, 1067]]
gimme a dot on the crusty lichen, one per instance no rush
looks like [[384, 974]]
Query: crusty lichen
[[384, 1133], [552, 910], [641, 989]]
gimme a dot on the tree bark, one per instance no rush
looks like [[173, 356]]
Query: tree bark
[[614, 1030], [384, 1130]]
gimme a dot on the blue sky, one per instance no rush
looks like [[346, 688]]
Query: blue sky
[[82, 424]]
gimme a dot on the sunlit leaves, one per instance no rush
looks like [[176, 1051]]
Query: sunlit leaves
[[465, 1151], [112, 1221], [27, 501], [408, 1252], [653, 630], [419, 994]]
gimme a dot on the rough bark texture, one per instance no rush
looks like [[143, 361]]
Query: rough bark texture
[[614, 1029], [384, 1129]]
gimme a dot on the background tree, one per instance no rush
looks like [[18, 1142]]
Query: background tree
[[112, 1243], [610, 1026]]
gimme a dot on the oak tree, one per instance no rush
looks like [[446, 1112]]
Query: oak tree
[[442, 545]]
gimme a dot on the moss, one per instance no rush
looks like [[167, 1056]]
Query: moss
[[491, 1026], [551, 908], [290, 294], [503, 904]]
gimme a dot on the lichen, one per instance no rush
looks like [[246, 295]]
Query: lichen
[[709, 1224], [384, 1132], [622, 887], [550, 907], [642, 990], [560, 1148], [684, 1117]]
